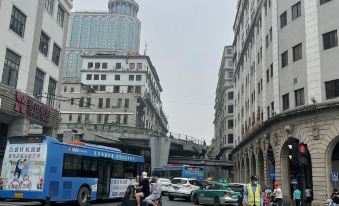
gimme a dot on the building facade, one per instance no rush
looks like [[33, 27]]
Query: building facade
[[115, 90], [224, 106], [286, 93], [32, 47], [115, 31]]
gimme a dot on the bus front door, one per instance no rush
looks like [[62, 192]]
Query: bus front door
[[104, 178]]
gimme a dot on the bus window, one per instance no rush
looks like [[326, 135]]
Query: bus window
[[129, 170], [118, 169], [89, 167], [72, 166]]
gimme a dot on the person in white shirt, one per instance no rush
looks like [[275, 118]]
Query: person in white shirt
[[278, 194], [308, 195]]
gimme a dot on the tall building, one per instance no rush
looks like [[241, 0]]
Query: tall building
[[115, 31], [286, 93], [32, 47], [114, 90]]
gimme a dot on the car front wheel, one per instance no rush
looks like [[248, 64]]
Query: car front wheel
[[196, 199], [216, 202]]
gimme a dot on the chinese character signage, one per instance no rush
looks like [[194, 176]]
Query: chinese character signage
[[24, 167], [31, 108]]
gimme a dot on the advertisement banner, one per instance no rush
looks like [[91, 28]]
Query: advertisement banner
[[24, 167], [119, 187]]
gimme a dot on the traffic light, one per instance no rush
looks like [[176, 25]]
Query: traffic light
[[299, 154]]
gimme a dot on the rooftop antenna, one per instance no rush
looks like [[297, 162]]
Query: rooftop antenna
[[145, 51]]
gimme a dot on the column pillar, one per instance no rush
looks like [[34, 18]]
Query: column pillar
[[19, 126]]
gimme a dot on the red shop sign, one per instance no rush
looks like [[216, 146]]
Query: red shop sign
[[31, 108]]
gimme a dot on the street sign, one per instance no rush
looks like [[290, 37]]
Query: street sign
[[335, 176], [272, 175], [294, 181]]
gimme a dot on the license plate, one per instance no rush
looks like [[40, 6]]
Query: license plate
[[19, 195]]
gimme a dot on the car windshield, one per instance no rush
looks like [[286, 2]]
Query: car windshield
[[179, 181], [236, 188]]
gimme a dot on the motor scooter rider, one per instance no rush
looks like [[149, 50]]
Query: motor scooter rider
[[156, 193]]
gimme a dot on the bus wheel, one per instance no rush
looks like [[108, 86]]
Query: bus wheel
[[83, 195]]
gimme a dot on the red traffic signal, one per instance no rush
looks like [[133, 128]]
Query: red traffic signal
[[302, 148]]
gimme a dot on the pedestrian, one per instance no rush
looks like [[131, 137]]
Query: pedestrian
[[335, 197], [297, 196], [278, 194], [308, 195], [252, 193]]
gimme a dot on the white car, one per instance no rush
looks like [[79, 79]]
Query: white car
[[165, 184], [183, 188]]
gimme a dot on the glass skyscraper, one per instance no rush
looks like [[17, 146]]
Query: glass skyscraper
[[115, 31]]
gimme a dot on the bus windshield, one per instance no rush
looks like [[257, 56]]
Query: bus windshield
[[24, 164]]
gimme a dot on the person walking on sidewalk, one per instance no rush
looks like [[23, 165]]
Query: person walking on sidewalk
[[252, 193], [297, 196], [278, 194]]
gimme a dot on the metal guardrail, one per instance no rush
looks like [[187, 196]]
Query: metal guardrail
[[187, 138], [110, 128]]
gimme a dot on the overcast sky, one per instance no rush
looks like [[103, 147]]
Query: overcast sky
[[185, 41]]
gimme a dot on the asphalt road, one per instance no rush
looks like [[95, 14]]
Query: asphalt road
[[166, 202]]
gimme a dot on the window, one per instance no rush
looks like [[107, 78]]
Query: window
[[230, 139], [271, 34], [100, 103], [230, 74], [272, 108], [18, 22], [104, 65], [268, 112], [108, 102], [131, 66], [51, 92], [138, 77], [230, 124], [138, 89], [11, 69], [49, 6], [70, 117], [38, 84], [284, 59], [72, 90], [118, 119], [89, 65], [86, 118], [119, 103], [118, 65], [97, 65], [88, 103], [117, 77], [332, 89], [272, 70], [116, 89], [139, 66], [61, 16], [267, 41], [130, 89], [267, 75], [96, 77], [324, 1], [125, 119], [43, 46], [230, 95], [79, 166], [106, 118], [118, 169], [296, 10], [299, 97], [95, 87], [126, 103], [286, 101], [330, 39], [103, 77], [131, 77], [102, 88], [283, 19], [56, 54], [99, 118], [297, 52], [230, 109], [65, 88], [89, 77], [79, 118]]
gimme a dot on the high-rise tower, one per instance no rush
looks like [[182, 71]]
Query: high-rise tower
[[90, 32]]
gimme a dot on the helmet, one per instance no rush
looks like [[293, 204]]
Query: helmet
[[254, 178], [144, 174]]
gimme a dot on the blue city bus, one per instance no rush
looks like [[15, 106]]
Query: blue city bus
[[40, 168], [178, 170]]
